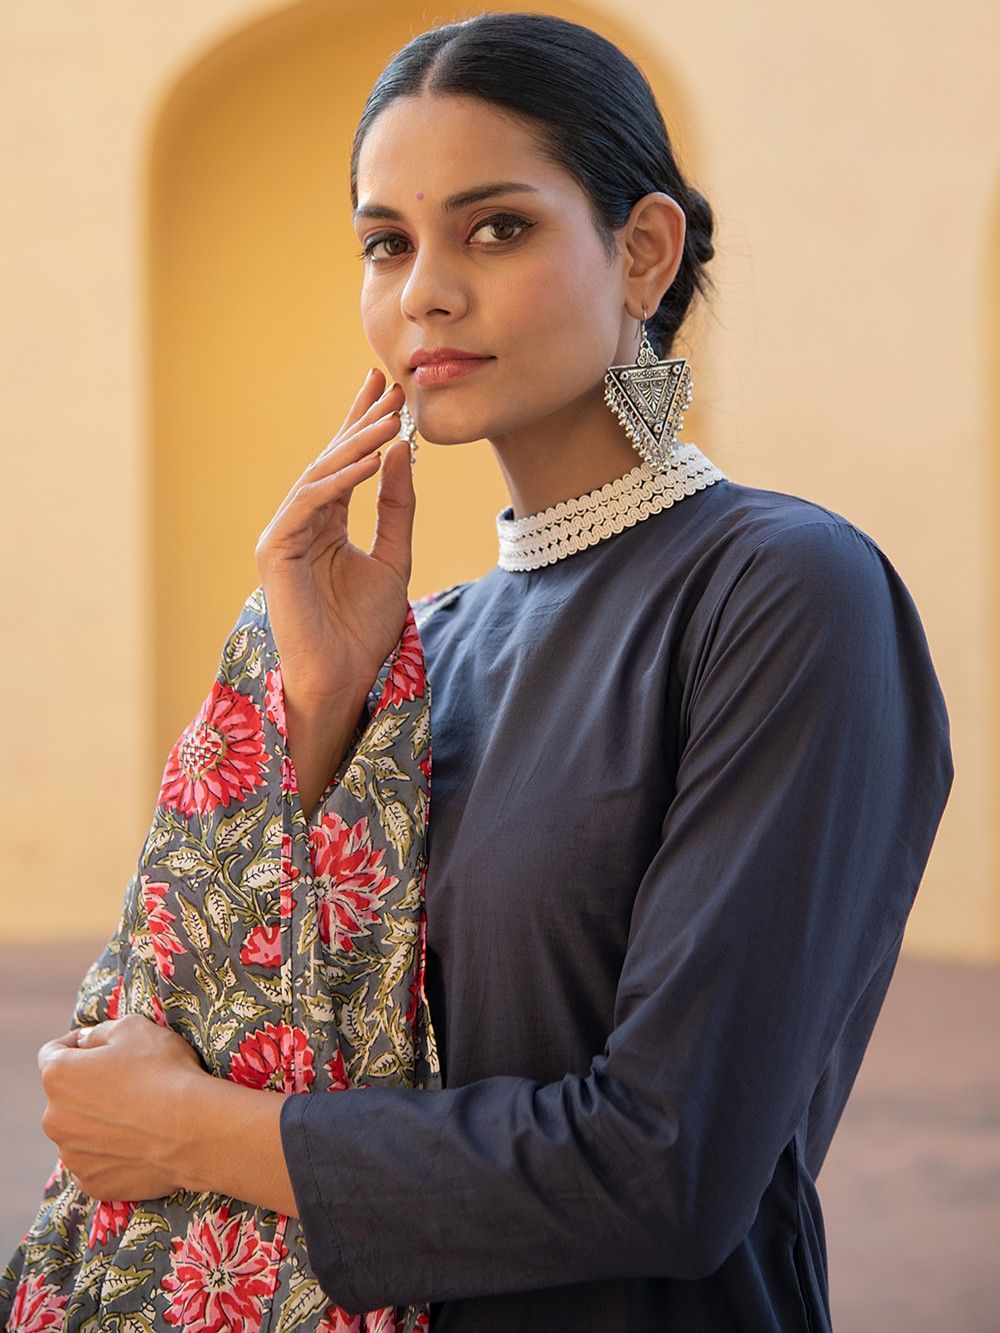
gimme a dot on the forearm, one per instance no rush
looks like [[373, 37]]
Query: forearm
[[501, 1185], [227, 1139], [318, 742]]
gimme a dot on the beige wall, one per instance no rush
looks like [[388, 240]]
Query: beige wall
[[181, 335]]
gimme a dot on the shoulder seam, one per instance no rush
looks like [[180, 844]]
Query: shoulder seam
[[833, 521], [437, 601], [837, 522]]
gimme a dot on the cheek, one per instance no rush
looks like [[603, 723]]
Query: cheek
[[377, 314], [544, 294], [562, 312]]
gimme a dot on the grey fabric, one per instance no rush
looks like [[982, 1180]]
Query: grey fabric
[[684, 786]]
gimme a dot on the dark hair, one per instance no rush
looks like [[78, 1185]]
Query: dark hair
[[590, 109]]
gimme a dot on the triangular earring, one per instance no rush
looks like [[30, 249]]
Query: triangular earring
[[650, 398]]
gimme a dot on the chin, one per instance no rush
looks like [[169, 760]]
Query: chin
[[450, 438], [441, 426]]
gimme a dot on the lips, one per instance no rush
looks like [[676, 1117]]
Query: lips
[[448, 369], [428, 356]]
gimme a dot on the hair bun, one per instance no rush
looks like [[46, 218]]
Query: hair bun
[[701, 225]]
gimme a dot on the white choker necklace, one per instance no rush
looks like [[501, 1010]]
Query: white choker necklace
[[573, 525]]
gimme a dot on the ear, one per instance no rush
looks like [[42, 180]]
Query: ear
[[653, 246]]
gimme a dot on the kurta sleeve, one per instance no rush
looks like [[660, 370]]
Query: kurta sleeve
[[814, 769]]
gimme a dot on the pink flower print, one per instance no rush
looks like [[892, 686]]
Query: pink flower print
[[274, 700], [110, 1219], [407, 676], [36, 1307], [336, 1320], [350, 878], [165, 942], [262, 946], [384, 1321], [220, 758], [115, 999], [275, 1056], [338, 1074], [222, 1271], [289, 874]]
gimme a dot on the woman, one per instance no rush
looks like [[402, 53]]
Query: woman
[[690, 753]]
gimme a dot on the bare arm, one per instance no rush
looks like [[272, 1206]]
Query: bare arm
[[318, 743], [229, 1141]]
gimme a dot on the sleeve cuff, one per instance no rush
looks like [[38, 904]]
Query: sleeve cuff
[[363, 1163], [319, 1227]]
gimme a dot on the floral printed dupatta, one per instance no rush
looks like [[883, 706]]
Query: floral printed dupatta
[[290, 954]]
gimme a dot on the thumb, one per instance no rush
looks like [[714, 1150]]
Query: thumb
[[395, 507]]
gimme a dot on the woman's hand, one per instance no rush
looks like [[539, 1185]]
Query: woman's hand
[[336, 611], [114, 1092]]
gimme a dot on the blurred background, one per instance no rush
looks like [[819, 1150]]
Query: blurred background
[[180, 336]]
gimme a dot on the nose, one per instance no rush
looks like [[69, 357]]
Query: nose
[[432, 287]]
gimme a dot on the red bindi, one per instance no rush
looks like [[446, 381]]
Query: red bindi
[[419, 194]]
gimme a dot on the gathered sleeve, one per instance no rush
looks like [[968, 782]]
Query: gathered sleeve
[[814, 767]]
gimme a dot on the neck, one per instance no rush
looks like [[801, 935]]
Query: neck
[[566, 454]]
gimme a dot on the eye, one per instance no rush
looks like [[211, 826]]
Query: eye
[[503, 220], [499, 221], [382, 238]]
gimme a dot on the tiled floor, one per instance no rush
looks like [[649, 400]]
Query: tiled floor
[[910, 1188]]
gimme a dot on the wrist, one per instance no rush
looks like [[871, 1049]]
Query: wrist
[[319, 741], [226, 1139], [188, 1120], [326, 708]]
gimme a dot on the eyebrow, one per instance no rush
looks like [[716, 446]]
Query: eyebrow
[[451, 205]]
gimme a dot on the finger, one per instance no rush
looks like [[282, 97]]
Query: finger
[[346, 445], [363, 441], [96, 1034], [53, 1053], [371, 386], [396, 506], [392, 396], [356, 462], [390, 399], [57, 1044], [307, 516], [343, 447]]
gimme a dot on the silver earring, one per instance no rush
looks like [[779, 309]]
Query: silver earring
[[650, 398], [408, 431]]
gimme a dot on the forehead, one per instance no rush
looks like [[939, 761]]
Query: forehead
[[439, 143]]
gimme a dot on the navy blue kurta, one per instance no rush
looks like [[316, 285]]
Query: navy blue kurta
[[684, 787]]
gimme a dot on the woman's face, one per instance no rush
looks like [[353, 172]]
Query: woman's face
[[533, 290]]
